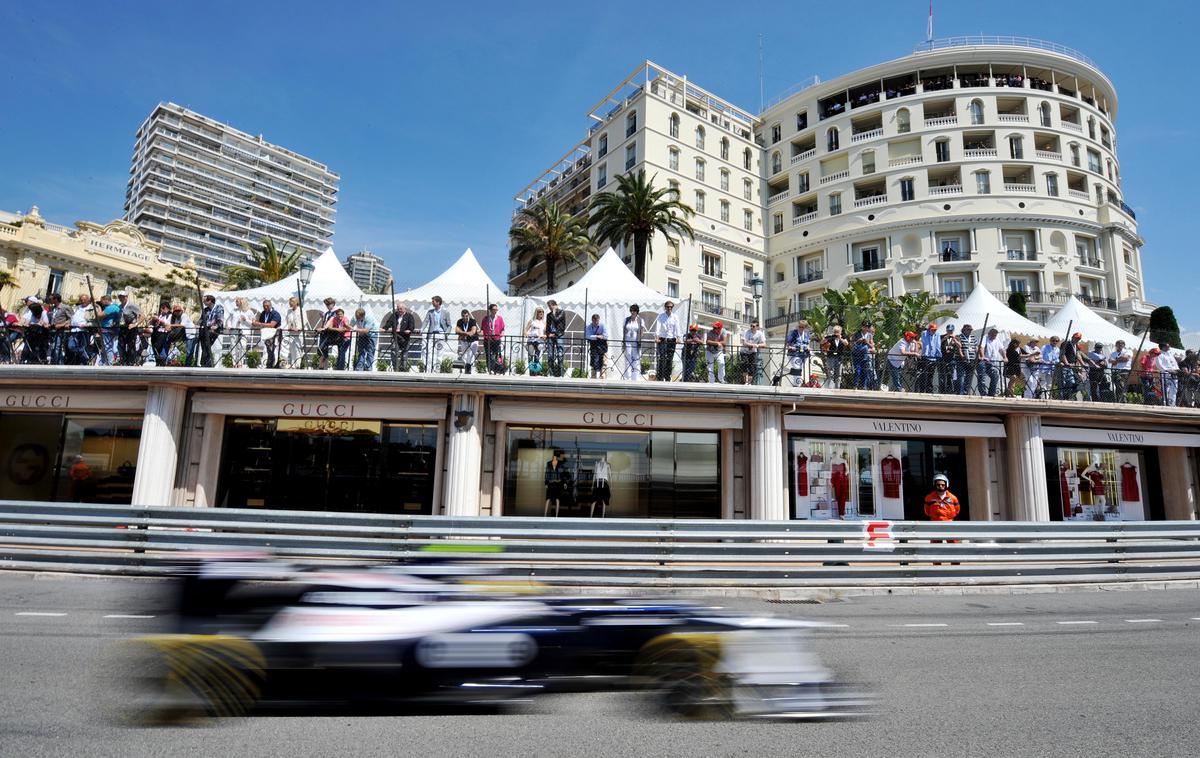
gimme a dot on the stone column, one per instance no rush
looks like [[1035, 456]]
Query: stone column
[[209, 468], [499, 470], [727, 474], [1178, 485], [158, 449], [1029, 500], [464, 456], [768, 491], [979, 479]]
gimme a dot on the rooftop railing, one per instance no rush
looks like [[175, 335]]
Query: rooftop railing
[[1003, 41]]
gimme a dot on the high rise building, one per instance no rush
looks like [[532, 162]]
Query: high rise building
[[204, 190], [368, 271], [973, 162]]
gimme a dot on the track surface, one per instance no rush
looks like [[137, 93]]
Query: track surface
[[1064, 674]]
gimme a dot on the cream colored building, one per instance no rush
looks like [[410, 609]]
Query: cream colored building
[[48, 258]]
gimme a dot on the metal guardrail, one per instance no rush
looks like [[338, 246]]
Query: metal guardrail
[[611, 552]]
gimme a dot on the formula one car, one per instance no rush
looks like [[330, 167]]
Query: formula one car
[[257, 636]]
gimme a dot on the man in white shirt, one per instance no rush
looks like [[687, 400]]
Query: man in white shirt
[[1120, 360], [79, 339], [906, 347], [753, 341], [1031, 354], [990, 360], [1050, 355], [1168, 369], [436, 326], [667, 333]]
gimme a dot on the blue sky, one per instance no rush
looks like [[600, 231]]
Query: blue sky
[[436, 114]]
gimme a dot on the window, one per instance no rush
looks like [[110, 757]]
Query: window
[[1074, 154], [1094, 161], [725, 179], [941, 150], [1044, 113], [802, 183], [1091, 127], [1099, 193], [868, 162], [672, 288], [725, 210], [673, 159], [724, 148], [747, 274], [601, 176], [711, 302], [712, 265], [777, 222], [700, 137], [1104, 136], [674, 185], [903, 124], [673, 125], [55, 284], [907, 191], [776, 162], [953, 288], [835, 204], [603, 150], [1052, 185], [630, 156], [1015, 148], [1019, 284], [1110, 174], [983, 182], [975, 109], [699, 202], [747, 189], [831, 139], [631, 124], [699, 169], [776, 133], [747, 161], [748, 219]]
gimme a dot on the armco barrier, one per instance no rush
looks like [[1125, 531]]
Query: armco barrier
[[612, 552]]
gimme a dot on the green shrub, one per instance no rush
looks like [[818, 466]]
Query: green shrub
[[253, 359], [577, 373], [519, 367], [447, 366], [381, 365], [227, 360], [645, 365]]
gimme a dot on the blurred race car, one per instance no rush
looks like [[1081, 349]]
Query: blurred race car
[[255, 636]]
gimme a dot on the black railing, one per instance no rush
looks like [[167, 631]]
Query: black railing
[[810, 276], [952, 256], [860, 266], [1022, 255]]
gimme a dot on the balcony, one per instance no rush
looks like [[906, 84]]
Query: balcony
[[1048, 155], [778, 196], [835, 176], [783, 320], [946, 189], [907, 160], [1021, 255], [951, 298], [1079, 195], [980, 152], [1019, 187], [1135, 306], [1012, 118], [1124, 208], [1095, 301], [1072, 126], [870, 200], [801, 157], [1090, 262], [941, 121], [715, 309], [954, 256], [804, 218], [810, 276], [1035, 297], [864, 136], [868, 265]]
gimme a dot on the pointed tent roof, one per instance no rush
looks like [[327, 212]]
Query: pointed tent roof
[[982, 306], [464, 283], [1079, 318], [610, 282], [329, 279]]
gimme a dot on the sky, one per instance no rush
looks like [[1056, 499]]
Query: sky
[[435, 115]]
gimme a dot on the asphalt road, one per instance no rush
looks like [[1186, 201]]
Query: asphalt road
[[1064, 674]]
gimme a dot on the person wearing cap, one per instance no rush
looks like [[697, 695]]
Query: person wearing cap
[[965, 371], [991, 358], [129, 340], [1151, 394], [906, 350], [435, 326], [467, 330], [953, 363], [269, 321], [1069, 363], [1120, 361], [834, 350], [693, 343], [1189, 382], [556, 332], [631, 341], [1097, 385], [714, 350], [596, 336], [667, 333], [363, 330], [212, 323], [941, 504], [34, 326], [326, 339], [1167, 368], [798, 347], [931, 355], [1031, 356]]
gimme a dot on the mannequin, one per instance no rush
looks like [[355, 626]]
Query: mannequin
[[601, 491], [554, 487], [839, 480], [1094, 476]]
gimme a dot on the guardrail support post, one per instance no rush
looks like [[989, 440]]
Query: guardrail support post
[[1026, 469], [464, 455], [158, 449], [768, 489], [1179, 495]]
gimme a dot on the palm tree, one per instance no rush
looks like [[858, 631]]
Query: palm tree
[[636, 211], [547, 230], [268, 264], [7, 279]]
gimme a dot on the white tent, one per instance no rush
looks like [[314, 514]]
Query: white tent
[[329, 279], [464, 285], [609, 288], [982, 307], [1079, 318]]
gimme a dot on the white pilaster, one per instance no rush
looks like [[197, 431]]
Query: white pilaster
[[464, 456], [158, 450], [1179, 492], [979, 479], [768, 493], [1029, 500], [209, 468]]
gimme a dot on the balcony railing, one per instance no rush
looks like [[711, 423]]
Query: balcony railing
[[801, 157], [1079, 195], [1021, 255], [907, 160], [1095, 301], [1124, 208], [861, 266], [778, 196], [1002, 41], [809, 276], [942, 121], [1019, 187], [950, 298], [946, 189], [804, 218], [1090, 262], [1013, 118], [954, 256], [867, 202], [1072, 126], [980, 152], [835, 176], [1048, 155], [863, 136]]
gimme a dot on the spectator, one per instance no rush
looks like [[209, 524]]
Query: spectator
[[595, 335], [436, 327], [1096, 373], [631, 337], [1031, 356], [556, 332], [1151, 391], [35, 328], [931, 356], [666, 337], [969, 362], [338, 330], [11, 332], [753, 341], [59, 317], [241, 323], [991, 358], [79, 340], [714, 348], [400, 324], [1120, 361], [1013, 366], [1049, 365], [467, 330], [326, 339], [953, 362], [835, 348], [1167, 368], [212, 323], [268, 321], [1189, 382], [293, 334], [1069, 366], [798, 344], [492, 329], [129, 341], [160, 333], [862, 355], [178, 326], [109, 323], [693, 345], [535, 330], [906, 348], [363, 327]]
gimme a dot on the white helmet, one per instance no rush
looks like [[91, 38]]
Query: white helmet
[[942, 478]]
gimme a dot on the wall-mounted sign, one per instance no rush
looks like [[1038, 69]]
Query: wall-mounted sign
[[887, 426], [67, 400], [585, 415], [1119, 437], [336, 407], [328, 426]]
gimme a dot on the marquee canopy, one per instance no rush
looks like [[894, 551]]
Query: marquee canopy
[[1077, 317], [329, 279], [982, 307]]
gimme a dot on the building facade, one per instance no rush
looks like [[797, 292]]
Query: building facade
[[368, 271], [204, 190], [974, 162], [48, 258]]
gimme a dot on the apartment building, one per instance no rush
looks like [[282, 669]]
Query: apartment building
[[368, 271], [204, 190]]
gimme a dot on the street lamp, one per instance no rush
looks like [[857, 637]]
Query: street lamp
[[757, 285], [303, 277]]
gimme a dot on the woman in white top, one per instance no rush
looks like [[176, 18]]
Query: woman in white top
[[241, 325], [535, 329], [601, 490], [292, 321], [631, 339]]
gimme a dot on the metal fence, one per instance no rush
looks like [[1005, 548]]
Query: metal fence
[[613, 552]]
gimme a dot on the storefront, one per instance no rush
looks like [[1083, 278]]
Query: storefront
[[1097, 474], [615, 462], [850, 468], [326, 453], [69, 446]]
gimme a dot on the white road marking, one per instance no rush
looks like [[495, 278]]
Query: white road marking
[[1066, 623], [127, 616], [839, 626], [39, 613], [1006, 623], [918, 626], [1195, 618], [1141, 621]]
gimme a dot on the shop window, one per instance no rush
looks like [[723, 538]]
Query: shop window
[[68, 457], [1101, 484]]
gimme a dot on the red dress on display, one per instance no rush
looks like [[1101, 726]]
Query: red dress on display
[[1130, 491], [1096, 477], [802, 475], [889, 469], [1065, 489], [840, 482]]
